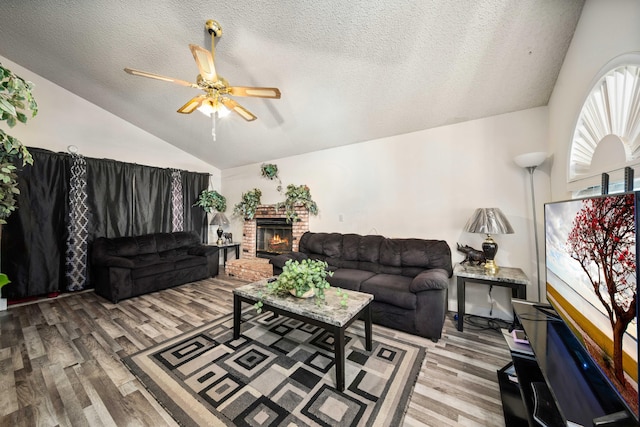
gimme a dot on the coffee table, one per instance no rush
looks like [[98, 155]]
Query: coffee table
[[330, 316]]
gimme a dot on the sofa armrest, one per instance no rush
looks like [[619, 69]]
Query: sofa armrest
[[203, 250], [435, 278], [113, 261], [278, 261]]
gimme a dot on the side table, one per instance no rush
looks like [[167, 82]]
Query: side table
[[509, 277], [225, 248]]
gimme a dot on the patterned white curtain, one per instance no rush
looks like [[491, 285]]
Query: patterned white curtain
[[177, 205], [77, 226]]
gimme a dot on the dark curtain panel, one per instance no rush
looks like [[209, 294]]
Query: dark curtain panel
[[34, 238], [152, 200], [124, 199], [110, 198], [195, 218]]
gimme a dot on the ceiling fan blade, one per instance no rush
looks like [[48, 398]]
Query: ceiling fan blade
[[192, 104], [239, 109], [159, 77], [204, 60], [260, 92]]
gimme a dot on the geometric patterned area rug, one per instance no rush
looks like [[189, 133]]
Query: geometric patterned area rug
[[280, 372]]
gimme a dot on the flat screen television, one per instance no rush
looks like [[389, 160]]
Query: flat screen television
[[591, 269]]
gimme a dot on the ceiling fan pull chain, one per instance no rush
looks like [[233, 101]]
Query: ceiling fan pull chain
[[213, 125]]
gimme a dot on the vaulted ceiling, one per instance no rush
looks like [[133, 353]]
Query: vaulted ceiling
[[349, 71]]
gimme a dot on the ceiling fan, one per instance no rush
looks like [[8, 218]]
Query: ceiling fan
[[217, 90]]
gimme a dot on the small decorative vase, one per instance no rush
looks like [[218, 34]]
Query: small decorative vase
[[307, 294], [3, 304]]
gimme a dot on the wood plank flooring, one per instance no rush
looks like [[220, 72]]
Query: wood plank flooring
[[60, 361]]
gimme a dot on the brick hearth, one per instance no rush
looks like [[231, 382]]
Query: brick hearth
[[249, 267]]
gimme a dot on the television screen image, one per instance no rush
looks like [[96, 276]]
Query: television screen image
[[591, 267]]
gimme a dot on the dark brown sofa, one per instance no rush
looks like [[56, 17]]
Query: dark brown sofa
[[125, 267], [409, 278]]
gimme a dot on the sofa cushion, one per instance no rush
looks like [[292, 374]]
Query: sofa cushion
[[202, 250], [186, 238], [189, 261], [391, 289], [350, 245], [121, 246], [369, 249], [391, 252], [315, 242], [145, 259], [146, 244], [427, 254], [165, 242], [347, 278], [332, 245], [171, 253], [151, 269]]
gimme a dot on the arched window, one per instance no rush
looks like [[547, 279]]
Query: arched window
[[607, 133]]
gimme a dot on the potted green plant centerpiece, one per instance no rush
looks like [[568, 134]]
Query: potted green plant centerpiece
[[303, 279]]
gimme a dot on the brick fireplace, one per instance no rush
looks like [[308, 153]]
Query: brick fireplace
[[249, 231], [250, 266]]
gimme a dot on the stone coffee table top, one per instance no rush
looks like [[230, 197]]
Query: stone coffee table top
[[331, 312]]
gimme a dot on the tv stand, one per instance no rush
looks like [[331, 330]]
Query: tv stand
[[575, 389]]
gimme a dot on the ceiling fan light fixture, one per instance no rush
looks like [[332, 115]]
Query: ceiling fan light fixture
[[209, 107]]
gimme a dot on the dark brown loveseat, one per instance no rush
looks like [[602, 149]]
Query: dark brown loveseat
[[125, 267], [409, 278]]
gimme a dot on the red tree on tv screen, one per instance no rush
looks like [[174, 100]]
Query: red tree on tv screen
[[603, 241]]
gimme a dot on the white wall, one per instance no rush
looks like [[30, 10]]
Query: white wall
[[606, 30], [425, 185], [66, 119]]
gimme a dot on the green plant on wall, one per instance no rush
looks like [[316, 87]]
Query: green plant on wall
[[270, 171], [211, 200], [247, 206], [16, 101], [297, 195]]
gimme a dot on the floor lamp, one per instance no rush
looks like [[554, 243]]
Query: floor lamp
[[530, 161]]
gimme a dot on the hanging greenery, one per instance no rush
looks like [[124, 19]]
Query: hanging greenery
[[16, 100], [211, 200], [270, 171], [247, 206], [297, 195]]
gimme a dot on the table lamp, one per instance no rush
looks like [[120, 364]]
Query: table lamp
[[489, 221], [220, 220]]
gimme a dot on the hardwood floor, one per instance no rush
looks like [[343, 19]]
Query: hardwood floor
[[60, 361]]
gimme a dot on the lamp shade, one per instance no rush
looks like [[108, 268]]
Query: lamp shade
[[488, 221], [219, 219], [530, 160]]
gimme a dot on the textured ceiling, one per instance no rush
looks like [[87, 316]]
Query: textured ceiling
[[349, 71]]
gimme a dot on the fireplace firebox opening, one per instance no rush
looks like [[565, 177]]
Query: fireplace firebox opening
[[274, 236]]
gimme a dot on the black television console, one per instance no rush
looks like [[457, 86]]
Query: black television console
[[557, 382]]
